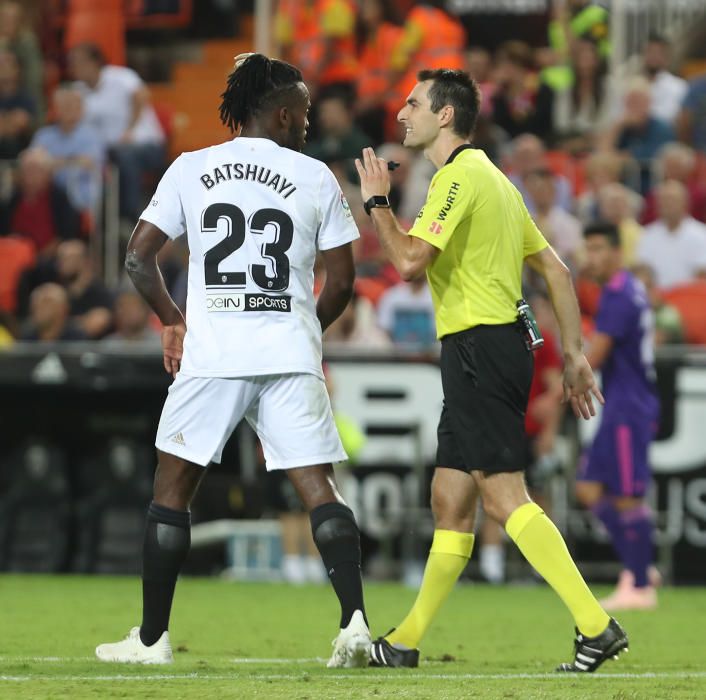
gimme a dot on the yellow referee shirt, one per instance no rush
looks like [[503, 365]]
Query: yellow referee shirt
[[476, 218]]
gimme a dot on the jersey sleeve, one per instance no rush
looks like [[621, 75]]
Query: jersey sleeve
[[165, 209], [337, 226], [533, 240], [615, 316], [449, 202]]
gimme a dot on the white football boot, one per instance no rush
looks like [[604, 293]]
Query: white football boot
[[131, 650], [351, 648]]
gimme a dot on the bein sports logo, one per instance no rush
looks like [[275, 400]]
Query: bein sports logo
[[225, 302], [247, 302]]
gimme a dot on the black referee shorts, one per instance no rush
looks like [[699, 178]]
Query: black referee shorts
[[486, 372]]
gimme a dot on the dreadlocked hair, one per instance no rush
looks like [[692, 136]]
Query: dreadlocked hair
[[254, 86]]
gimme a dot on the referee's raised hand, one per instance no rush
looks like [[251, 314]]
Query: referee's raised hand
[[374, 175], [580, 387]]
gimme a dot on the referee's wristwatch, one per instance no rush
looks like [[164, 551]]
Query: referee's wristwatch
[[377, 200]]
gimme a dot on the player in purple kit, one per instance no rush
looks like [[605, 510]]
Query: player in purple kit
[[615, 473]]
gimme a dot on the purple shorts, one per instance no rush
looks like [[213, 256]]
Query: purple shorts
[[618, 457]]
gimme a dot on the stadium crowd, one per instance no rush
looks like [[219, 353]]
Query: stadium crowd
[[580, 143]]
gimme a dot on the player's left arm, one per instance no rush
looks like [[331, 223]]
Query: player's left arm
[[141, 265], [338, 287], [410, 255]]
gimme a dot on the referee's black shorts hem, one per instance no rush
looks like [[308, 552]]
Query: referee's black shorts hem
[[486, 373]]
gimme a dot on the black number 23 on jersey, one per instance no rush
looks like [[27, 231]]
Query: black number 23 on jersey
[[237, 230]]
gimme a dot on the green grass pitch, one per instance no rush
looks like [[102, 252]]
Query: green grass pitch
[[235, 640]]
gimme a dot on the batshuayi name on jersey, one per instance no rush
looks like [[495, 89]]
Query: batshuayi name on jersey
[[255, 215], [248, 171]]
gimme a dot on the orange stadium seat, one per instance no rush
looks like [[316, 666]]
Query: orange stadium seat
[[100, 22], [690, 301], [16, 255]]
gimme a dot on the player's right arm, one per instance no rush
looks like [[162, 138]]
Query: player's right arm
[[141, 265], [162, 219]]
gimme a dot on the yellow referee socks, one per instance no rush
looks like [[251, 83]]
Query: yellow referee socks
[[448, 556], [545, 549]]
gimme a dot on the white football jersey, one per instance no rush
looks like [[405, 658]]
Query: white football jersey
[[255, 214]]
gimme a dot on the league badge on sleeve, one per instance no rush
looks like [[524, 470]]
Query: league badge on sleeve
[[346, 207]]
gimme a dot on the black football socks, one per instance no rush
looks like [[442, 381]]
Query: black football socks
[[166, 544], [338, 539]]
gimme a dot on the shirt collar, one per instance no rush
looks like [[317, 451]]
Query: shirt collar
[[456, 151]]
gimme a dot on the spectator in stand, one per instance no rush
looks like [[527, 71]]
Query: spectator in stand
[[562, 230], [18, 111], [406, 314], [39, 209], [578, 19], [520, 104], [117, 105], [76, 147], [356, 328], [318, 36], [668, 90], [675, 245], [132, 323], [527, 155], [90, 301], [49, 316], [583, 107], [378, 32], [339, 139], [480, 66], [677, 161], [602, 168], [433, 38], [691, 122], [17, 36], [669, 327], [637, 133], [488, 136], [620, 206]]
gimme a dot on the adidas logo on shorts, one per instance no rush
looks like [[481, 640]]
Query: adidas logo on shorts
[[179, 439]]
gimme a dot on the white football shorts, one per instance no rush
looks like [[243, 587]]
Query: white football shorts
[[291, 414]]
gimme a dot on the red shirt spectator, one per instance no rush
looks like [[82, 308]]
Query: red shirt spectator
[[39, 210], [545, 358]]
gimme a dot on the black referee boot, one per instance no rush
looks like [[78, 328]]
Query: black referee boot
[[382, 653], [591, 652]]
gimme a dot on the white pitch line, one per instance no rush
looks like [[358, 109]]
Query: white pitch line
[[46, 659], [395, 676], [248, 660]]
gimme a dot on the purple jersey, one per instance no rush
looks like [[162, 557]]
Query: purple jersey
[[624, 313]]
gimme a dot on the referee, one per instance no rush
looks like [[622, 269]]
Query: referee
[[471, 238]]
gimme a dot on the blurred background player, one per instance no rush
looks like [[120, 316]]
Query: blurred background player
[[615, 476]]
